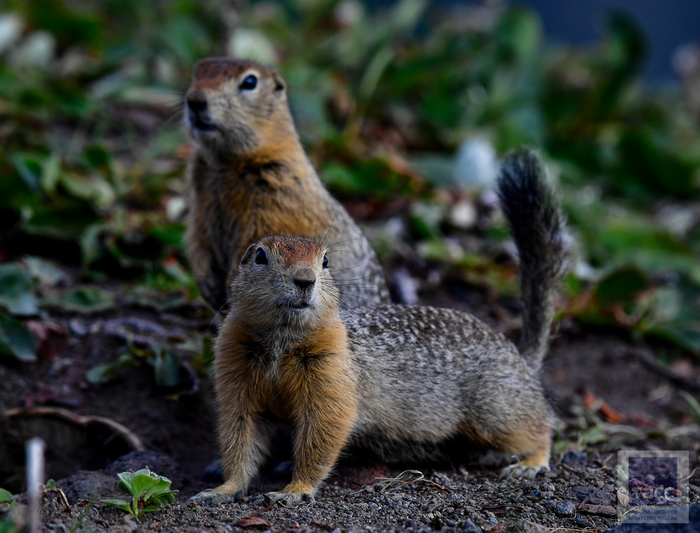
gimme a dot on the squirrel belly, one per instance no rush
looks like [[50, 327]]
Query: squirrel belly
[[248, 177], [383, 374]]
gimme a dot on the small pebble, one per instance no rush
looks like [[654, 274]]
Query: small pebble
[[534, 493], [565, 509], [582, 521], [493, 522], [470, 527], [575, 459], [450, 523]]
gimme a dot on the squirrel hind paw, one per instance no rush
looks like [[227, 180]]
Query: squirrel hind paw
[[289, 499], [215, 496], [521, 470]]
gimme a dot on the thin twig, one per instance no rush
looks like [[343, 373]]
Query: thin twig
[[647, 358], [125, 433], [433, 484], [256, 513], [62, 497]]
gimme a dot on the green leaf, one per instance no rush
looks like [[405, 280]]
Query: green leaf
[[406, 14], [675, 315], [47, 273], [693, 403], [520, 33], [168, 497], [90, 244], [627, 44], [16, 340], [166, 368], [140, 484], [82, 300], [125, 480], [374, 71], [5, 496], [92, 188], [102, 373], [158, 488], [120, 503], [50, 173], [620, 286], [28, 169], [16, 290], [594, 435], [50, 484], [97, 156]]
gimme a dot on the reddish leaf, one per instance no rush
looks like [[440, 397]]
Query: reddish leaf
[[254, 522]]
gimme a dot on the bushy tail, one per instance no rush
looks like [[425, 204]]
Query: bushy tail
[[539, 230]]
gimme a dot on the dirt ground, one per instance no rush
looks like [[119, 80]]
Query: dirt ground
[[606, 396]]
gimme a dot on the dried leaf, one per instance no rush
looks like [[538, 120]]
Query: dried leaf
[[254, 522]]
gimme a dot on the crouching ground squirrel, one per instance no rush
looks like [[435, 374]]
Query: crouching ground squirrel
[[388, 374], [249, 177]]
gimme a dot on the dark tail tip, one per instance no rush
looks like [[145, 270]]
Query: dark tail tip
[[539, 231]]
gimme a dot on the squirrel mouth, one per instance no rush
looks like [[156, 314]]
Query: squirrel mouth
[[202, 125], [200, 121], [299, 305]]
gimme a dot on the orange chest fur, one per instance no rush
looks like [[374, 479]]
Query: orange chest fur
[[278, 384], [274, 201]]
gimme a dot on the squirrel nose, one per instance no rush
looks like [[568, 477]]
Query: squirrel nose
[[196, 105], [305, 282]]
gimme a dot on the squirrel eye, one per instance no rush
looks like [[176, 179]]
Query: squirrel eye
[[249, 83], [325, 261], [260, 257]]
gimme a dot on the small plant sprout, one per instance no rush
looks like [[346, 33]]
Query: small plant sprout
[[622, 473], [6, 497], [150, 492]]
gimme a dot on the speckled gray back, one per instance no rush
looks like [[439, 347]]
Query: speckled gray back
[[436, 371]]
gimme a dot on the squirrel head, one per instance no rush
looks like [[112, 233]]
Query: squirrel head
[[237, 106], [284, 281]]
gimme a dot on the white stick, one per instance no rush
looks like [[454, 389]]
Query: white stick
[[35, 478]]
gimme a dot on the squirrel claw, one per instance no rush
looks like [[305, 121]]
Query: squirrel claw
[[289, 499], [521, 471], [214, 496]]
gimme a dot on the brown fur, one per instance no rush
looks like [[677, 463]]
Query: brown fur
[[249, 177], [370, 376], [393, 378]]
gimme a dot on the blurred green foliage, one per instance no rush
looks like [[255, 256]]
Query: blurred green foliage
[[92, 158]]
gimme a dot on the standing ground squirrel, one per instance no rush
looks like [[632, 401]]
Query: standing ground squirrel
[[388, 374], [249, 177]]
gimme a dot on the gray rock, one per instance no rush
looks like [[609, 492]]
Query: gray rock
[[565, 509], [87, 485], [591, 495]]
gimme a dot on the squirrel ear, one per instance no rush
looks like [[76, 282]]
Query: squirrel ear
[[280, 86], [248, 255]]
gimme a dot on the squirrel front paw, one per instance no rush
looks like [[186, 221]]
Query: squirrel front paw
[[216, 496], [289, 499], [522, 471]]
